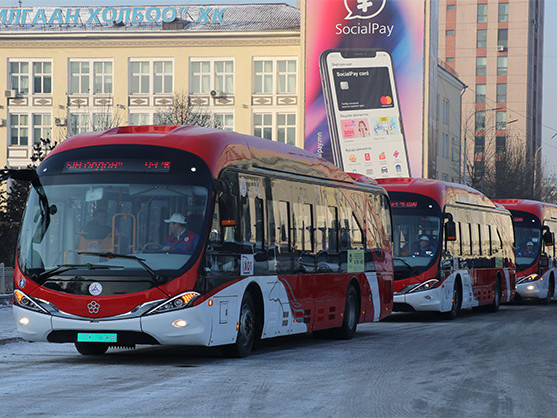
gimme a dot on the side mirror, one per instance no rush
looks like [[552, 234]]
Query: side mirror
[[450, 227], [227, 203], [547, 237]]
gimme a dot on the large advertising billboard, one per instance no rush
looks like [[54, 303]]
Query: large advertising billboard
[[365, 84]]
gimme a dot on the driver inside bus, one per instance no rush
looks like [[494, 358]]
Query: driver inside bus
[[529, 251], [423, 248], [182, 238]]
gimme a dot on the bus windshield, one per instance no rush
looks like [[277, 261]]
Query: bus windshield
[[417, 227], [527, 230], [87, 215]]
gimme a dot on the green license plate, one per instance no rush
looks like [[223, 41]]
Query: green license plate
[[96, 338]]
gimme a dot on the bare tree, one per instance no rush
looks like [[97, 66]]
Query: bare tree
[[183, 111]]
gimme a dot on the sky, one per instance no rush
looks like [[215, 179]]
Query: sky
[[549, 144]]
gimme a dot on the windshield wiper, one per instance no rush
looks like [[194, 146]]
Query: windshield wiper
[[141, 261], [62, 268], [407, 264]]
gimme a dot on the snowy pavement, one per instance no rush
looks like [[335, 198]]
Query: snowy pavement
[[7, 324]]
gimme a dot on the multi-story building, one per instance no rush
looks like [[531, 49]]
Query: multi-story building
[[496, 48], [69, 70]]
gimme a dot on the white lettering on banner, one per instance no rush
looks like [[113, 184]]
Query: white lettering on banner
[[366, 29], [109, 15]]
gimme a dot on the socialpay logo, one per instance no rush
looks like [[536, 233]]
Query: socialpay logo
[[363, 9]]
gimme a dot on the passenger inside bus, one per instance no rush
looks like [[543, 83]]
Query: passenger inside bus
[[184, 234], [423, 247], [97, 227]]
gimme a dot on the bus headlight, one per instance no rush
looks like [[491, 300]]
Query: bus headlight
[[24, 301], [531, 278], [183, 300], [427, 285]]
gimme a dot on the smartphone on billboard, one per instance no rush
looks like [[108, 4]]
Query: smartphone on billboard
[[363, 112]]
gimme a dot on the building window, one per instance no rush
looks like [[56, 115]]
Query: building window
[[224, 76], [500, 147], [200, 77], [79, 123], [42, 77], [263, 125], [501, 93], [19, 76], [102, 77], [482, 13], [162, 77], [160, 73], [479, 145], [137, 119], [455, 155], [501, 120], [480, 93], [19, 129], [79, 77], [481, 65], [450, 59], [275, 76], [140, 77], [224, 121], [42, 127], [286, 128], [102, 121], [263, 76], [480, 120], [449, 32], [451, 7], [207, 75], [445, 146], [91, 77], [286, 76], [502, 37], [481, 38], [503, 12], [501, 65], [445, 111]]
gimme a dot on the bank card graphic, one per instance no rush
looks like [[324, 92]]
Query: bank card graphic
[[363, 112]]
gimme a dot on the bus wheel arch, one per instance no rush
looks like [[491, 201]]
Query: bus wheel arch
[[497, 295], [250, 323], [456, 300], [352, 312]]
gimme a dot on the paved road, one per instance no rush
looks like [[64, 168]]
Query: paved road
[[501, 364]]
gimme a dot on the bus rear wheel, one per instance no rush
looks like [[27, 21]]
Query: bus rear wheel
[[550, 291], [91, 349], [494, 307], [351, 316], [247, 326]]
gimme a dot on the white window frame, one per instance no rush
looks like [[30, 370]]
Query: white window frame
[[225, 120], [147, 116], [43, 75], [276, 74], [43, 129], [210, 79], [103, 78], [29, 76], [83, 77], [166, 76], [278, 131], [19, 128], [285, 129], [83, 123]]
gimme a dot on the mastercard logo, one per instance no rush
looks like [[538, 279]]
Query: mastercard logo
[[386, 100]]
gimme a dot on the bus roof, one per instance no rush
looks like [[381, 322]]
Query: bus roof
[[218, 148], [443, 192], [541, 209]]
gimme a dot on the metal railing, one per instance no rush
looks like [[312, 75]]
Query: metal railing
[[6, 279]]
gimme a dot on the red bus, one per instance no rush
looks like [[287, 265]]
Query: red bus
[[266, 240], [534, 226], [452, 246]]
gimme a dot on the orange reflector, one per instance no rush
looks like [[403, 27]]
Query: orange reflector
[[237, 326], [210, 302], [228, 222]]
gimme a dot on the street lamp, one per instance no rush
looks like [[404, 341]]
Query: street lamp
[[465, 137], [536, 167]]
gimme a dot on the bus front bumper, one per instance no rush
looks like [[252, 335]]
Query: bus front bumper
[[190, 326], [532, 290], [426, 300]]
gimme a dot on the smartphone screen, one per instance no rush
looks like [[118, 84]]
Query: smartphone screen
[[365, 125]]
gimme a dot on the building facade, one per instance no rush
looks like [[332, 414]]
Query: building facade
[[71, 70], [496, 48]]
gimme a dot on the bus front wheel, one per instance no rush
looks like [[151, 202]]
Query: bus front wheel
[[456, 302], [494, 307], [247, 326]]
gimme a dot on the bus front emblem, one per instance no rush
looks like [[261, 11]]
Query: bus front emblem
[[93, 307], [95, 288]]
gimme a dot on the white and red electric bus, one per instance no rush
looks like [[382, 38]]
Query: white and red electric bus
[[279, 242], [452, 246], [534, 226]]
